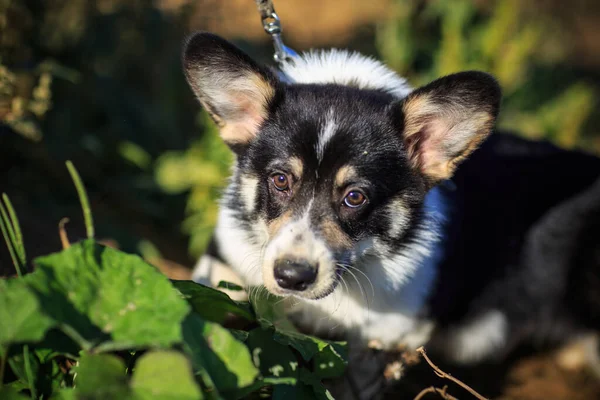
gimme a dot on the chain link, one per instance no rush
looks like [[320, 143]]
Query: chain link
[[272, 25]]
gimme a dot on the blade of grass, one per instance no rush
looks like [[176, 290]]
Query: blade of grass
[[29, 373], [83, 199], [19, 245], [8, 239]]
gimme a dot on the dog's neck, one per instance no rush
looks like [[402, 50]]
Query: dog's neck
[[346, 68]]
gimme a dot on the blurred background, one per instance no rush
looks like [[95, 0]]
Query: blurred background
[[100, 83]]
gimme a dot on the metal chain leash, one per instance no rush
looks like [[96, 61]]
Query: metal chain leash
[[272, 25]]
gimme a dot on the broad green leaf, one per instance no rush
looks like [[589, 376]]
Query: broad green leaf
[[101, 376], [299, 391], [20, 313], [215, 349], [259, 384], [272, 358], [211, 304], [136, 303], [270, 311], [8, 393], [64, 394], [331, 361], [307, 346], [164, 375], [229, 286], [89, 286], [319, 391]]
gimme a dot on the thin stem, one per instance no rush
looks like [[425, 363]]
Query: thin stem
[[19, 245], [83, 199], [3, 366], [29, 373], [62, 232], [77, 338], [444, 375], [431, 389], [7, 239]]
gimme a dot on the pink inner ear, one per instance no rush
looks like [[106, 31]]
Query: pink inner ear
[[249, 115], [427, 147]]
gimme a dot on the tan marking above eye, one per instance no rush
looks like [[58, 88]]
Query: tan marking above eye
[[345, 174], [297, 167]]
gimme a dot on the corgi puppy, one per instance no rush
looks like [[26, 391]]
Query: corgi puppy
[[369, 207]]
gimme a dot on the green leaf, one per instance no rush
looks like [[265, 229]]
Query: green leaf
[[164, 375], [18, 366], [270, 311], [8, 393], [64, 394], [23, 320], [88, 286], [211, 304], [272, 358], [318, 389], [136, 303], [229, 286], [299, 391], [331, 361], [215, 349], [259, 384], [307, 346], [101, 376]]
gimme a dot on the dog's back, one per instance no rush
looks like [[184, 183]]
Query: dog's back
[[523, 246]]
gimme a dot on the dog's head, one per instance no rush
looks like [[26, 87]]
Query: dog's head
[[331, 170]]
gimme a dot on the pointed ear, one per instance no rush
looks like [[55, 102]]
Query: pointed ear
[[234, 90], [447, 119]]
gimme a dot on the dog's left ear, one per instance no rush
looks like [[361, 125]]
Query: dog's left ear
[[447, 119], [236, 91]]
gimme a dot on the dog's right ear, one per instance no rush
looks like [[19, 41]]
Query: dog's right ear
[[235, 90]]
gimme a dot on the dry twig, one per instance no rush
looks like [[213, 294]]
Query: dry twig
[[441, 392], [64, 239], [444, 375]]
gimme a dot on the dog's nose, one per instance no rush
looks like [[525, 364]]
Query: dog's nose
[[294, 275]]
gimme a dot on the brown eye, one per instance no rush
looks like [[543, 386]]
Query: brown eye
[[280, 181], [355, 199]]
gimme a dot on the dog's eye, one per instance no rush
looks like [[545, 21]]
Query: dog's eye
[[281, 182], [355, 198]]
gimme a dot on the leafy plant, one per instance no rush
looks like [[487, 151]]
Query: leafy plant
[[203, 170], [92, 322], [425, 40]]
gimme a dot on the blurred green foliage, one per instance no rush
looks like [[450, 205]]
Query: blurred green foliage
[[425, 40], [202, 170], [100, 83]]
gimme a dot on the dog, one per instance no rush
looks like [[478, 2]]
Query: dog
[[389, 215]]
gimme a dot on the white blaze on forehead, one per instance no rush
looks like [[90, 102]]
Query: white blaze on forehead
[[248, 188], [329, 129]]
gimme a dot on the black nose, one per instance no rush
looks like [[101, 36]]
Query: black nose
[[294, 275]]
